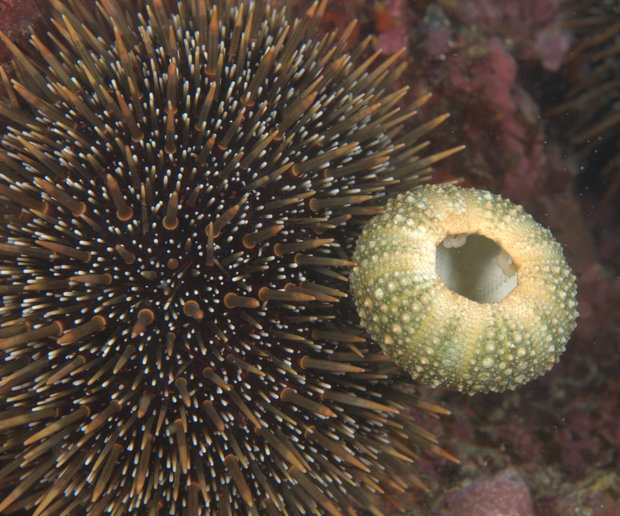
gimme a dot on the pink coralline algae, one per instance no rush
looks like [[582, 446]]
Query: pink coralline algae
[[471, 55], [16, 18], [392, 20], [505, 493], [529, 27]]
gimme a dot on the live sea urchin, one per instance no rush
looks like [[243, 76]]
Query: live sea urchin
[[592, 102], [180, 187]]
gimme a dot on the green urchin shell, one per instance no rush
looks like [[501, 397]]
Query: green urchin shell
[[447, 339]]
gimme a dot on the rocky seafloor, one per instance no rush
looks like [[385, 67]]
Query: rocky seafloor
[[501, 67]]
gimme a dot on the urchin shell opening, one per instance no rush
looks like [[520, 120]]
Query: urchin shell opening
[[476, 267]]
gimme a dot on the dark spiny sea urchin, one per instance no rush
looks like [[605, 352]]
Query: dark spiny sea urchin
[[593, 96], [180, 188]]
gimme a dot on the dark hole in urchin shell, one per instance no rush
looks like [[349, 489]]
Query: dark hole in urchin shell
[[175, 329], [476, 267]]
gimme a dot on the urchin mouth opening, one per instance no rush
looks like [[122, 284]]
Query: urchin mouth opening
[[475, 267]]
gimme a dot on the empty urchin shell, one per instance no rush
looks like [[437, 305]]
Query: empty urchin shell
[[464, 289]]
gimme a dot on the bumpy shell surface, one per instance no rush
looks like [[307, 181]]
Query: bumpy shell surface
[[443, 338]]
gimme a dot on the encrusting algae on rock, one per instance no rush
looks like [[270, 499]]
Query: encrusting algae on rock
[[464, 289]]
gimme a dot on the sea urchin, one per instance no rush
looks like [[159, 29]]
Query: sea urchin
[[180, 187], [464, 289], [590, 114]]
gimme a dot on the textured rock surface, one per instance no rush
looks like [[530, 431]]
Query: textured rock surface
[[503, 494]]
